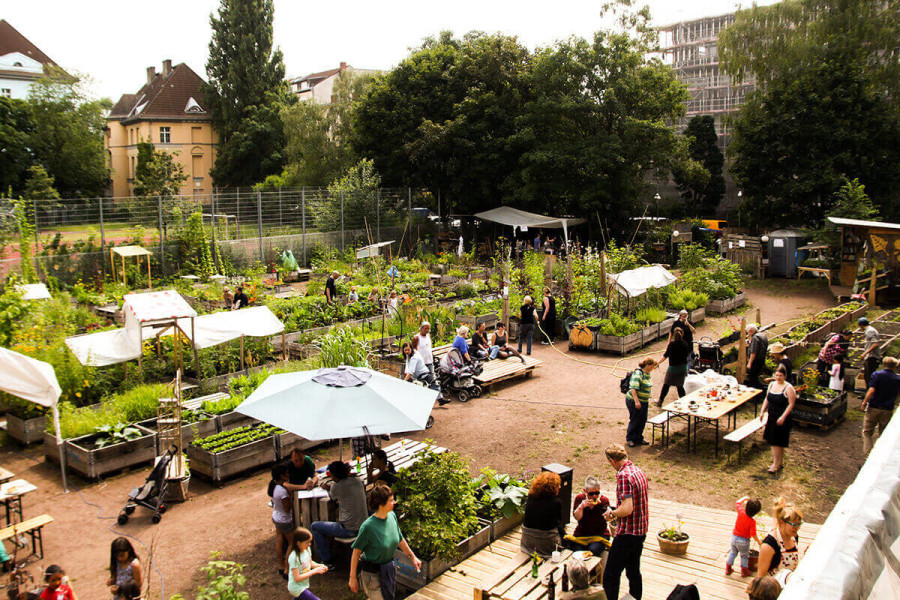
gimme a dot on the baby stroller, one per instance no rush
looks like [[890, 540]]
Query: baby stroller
[[151, 494], [709, 355], [457, 376]]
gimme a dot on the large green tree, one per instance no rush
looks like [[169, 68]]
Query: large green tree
[[827, 108], [702, 194], [16, 128], [67, 138], [246, 92]]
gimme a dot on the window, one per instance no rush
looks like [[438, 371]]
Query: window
[[164, 135], [6, 93]]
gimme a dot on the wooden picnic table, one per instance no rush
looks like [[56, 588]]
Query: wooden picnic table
[[11, 494], [5, 475], [513, 581], [710, 409], [315, 505]]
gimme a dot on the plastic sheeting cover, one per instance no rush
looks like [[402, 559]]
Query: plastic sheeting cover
[[103, 348], [507, 215], [28, 378], [157, 306], [34, 291], [852, 555], [637, 281]]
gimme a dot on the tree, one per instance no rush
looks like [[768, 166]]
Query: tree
[[852, 202], [359, 190], [827, 109], [39, 185], [245, 93], [161, 175], [319, 136], [67, 137], [702, 191], [598, 123], [16, 128]]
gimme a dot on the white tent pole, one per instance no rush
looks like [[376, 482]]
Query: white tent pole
[[59, 447]]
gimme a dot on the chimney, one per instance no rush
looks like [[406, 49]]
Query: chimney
[[167, 66], [343, 66], [151, 73]]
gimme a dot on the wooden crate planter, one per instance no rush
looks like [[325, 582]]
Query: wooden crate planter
[[384, 344], [625, 344], [406, 572], [719, 307], [489, 319], [231, 420], [698, 315], [26, 431], [504, 525], [83, 458], [820, 413], [286, 442], [188, 430], [222, 465]]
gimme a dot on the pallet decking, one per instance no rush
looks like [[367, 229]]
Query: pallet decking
[[499, 369], [704, 564]]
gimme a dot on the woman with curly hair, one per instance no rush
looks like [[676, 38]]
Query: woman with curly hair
[[542, 528]]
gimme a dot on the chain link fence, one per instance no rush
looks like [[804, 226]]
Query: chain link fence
[[243, 227]]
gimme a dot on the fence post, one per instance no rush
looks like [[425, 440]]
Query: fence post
[[378, 216], [409, 191], [162, 249], [213, 201], [237, 216], [439, 204], [280, 223], [303, 219], [37, 229], [342, 220], [262, 257], [102, 238]]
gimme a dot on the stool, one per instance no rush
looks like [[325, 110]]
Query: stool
[[346, 546]]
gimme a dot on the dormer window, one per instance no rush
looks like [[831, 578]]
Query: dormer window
[[17, 64], [193, 107]]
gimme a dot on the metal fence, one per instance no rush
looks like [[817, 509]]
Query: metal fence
[[72, 236]]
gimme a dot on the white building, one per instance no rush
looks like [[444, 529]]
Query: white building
[[21, 62], [319, 87]]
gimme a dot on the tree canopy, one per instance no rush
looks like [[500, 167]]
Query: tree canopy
[[245, 92], [702, 189]]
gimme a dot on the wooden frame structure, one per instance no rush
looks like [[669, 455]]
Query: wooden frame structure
[[126, 251]]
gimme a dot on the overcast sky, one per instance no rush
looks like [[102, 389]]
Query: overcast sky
[[114, 42]]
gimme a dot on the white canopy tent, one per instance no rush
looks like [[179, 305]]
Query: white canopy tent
[[635, 282], [34, 291], [372, 249], [507, 215], [35, 381]]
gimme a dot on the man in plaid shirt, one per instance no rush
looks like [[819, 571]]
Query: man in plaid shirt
[[634, 517]]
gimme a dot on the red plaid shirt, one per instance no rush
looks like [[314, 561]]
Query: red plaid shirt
[[632, 483]]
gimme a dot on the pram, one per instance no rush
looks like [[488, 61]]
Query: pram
[[151, 494], [709, 355], [457, 376]]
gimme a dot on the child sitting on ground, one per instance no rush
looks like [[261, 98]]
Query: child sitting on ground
[[744, 529]]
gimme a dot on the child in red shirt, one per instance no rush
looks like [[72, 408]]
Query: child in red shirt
[[56, 589], [744, 529]]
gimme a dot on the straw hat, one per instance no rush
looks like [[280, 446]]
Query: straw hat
[[776, 348]]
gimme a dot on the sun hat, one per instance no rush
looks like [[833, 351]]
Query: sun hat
[[776, 348]]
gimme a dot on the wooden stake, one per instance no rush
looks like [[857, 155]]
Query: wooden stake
[[242, 353], [873, 284], [742, 352], [758, 318]]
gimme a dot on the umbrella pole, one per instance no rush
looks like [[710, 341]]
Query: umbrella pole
[[59, 447], [341, 448]]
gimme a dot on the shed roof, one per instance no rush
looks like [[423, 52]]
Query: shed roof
[[859, 223]]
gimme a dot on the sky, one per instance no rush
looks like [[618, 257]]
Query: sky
[[113, 42]]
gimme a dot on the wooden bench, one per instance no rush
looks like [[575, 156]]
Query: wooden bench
[[32, 527], [196, 403], [662, 422], [743, 432]]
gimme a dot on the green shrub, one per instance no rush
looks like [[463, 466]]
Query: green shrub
[[137, 404], [650, 315], [686, 299], [618, 325]]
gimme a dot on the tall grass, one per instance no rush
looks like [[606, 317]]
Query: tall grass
[[137, 404]]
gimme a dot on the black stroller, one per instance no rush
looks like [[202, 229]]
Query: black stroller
[[457, 376], [709, 355], [151, 495]]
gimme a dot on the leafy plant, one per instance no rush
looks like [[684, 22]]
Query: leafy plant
[[674, 533], [137, 404], [650, 315], [340, 347], [686, 299], [226, 440], [438, 504], [115, 434], [224, 578], [501, 495]]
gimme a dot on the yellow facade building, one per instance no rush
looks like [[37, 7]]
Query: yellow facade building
[[169, 112]]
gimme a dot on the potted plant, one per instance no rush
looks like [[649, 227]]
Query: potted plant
[[502, 501], [672, 540], [110, 448], [25, 420]]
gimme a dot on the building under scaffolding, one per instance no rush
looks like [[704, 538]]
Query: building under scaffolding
[[691, 48]]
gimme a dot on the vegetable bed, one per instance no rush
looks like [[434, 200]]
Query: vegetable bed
[[224, 454]]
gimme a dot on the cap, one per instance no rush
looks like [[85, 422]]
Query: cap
[[863, 321]]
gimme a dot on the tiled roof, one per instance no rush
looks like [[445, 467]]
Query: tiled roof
[[165, 97], [13, 41], [320, 75]]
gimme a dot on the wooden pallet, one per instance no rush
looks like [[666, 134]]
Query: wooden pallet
[[819, 426], [499, 369]]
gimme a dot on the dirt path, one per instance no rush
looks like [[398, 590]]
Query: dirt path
[[568, 412]]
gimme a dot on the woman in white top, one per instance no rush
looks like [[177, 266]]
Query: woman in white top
[[416, 369], [281, 514], [423, 345]]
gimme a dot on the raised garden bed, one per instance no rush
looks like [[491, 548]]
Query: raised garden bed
[[406, 572], [822, 412], [26, 431], [286, 442], [232, 420], [627, 343], [219, 459], [719, 307], [85, 458], [189, 431], [489, 319]]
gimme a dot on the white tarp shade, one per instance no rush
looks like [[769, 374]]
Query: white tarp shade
[[27, 378], [855, 554], [156, 306], [637, 281], [116, 346], [372, 249], [34, 291], [507, 215]]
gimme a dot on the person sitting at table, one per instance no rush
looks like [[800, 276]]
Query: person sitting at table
[[480, 344], [301, 472], [501, 340], [350, 495], [542, 527], [592, 531], [460, 343], [386, 471], [763, 588], [580, 587]]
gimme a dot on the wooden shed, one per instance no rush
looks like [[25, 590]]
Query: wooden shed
[[870, 259]]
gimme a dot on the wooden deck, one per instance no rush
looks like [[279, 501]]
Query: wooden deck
[[499, 369], [704, 564]]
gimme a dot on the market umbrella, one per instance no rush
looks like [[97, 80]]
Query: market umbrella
[[337, 403]]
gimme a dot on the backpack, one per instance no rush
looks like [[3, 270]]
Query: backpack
[[625, 384]]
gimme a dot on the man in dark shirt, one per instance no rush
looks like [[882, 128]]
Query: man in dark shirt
[[331, 287], [240, 299], [301, 472], [879, 401], [756, 355]]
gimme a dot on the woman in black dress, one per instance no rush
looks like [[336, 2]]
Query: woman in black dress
[[780, 400], [548, 318], [678, 351]]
